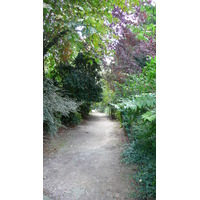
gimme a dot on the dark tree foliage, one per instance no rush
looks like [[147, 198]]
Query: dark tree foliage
[[81, 81], [136, 38]]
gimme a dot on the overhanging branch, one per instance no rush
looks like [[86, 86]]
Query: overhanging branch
[[54, 41]]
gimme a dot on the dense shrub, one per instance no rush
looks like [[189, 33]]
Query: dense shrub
[[84, 109], [107, 95], [142, 151], [81, 81], [71, 119], [135, 106], [69, 91], [55, 106]]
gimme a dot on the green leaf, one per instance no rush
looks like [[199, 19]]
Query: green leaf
[[95, 41]]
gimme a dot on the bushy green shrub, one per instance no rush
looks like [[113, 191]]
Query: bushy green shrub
[[84, 109], [81, 81], [142, 151], [72, 119], [135, 102], [107, 98], [55, 106], [76, 119], [69, 90]]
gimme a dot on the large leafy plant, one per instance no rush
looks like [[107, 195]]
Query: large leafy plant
[[55, 106], [135, 103], [80, 81]]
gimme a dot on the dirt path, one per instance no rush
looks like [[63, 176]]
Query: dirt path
[[87, 164]]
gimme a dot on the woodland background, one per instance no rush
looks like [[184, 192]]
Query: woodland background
[[177, 95]]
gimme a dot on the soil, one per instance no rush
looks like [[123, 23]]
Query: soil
[[84, 162]]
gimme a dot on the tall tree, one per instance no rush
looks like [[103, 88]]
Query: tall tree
[[136, 31]]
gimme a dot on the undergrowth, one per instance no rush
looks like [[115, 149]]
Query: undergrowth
[[55, 106], [135, 107]]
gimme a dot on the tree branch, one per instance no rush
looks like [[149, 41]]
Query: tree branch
[[53, 41]]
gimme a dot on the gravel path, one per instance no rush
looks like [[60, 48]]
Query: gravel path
[[86, 164]]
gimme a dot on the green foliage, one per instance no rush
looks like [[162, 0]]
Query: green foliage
[[134, 105], [136, 102], [149, 27], [55, 106], [81, 80], [64, 86], [84, 109], [149, 115], [61, 20], [137, 84], [107, 97], [71, 119], [71, 27]]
